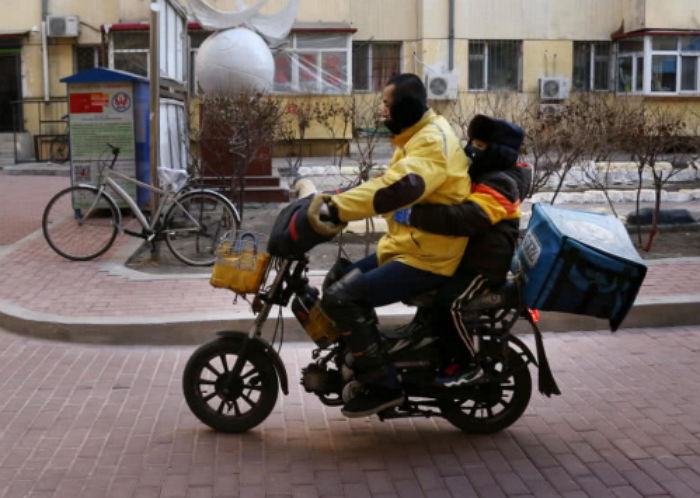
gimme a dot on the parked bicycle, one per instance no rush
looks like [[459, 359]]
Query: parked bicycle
[[81, 222]]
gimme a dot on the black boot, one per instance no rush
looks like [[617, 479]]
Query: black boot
[[344, 303]]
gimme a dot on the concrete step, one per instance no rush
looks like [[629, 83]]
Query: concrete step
[[7, 148]]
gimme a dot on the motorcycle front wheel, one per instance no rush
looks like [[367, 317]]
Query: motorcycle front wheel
[[225, 402], [490, 407]]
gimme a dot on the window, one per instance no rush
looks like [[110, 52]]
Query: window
[[314, 62], [130, 51], [373, 64], [87, 57], [674, 65], [196, 40], [495, 65], [591, 66], [630, 66]]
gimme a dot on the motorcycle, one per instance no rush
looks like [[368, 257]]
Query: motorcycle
[[232, 383]]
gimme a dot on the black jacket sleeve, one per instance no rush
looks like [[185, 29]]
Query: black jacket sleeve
[[463, 220], [469, 218]]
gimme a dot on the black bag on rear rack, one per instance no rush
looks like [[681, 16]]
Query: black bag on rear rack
[[292, 236]]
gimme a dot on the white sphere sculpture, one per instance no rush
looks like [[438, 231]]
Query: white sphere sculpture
[[232, 61]]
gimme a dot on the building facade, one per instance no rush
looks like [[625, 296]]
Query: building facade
[[543, 48]]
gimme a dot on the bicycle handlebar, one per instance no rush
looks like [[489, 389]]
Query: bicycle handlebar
[[115, 153]]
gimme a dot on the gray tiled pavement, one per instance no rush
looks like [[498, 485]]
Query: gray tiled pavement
[[110, 421]]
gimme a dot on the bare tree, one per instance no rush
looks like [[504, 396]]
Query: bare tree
[[297, 118], [367, 133], [236, 129], [651, 136], [336, 118]]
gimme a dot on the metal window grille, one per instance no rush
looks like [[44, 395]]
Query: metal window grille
[[495, 65]]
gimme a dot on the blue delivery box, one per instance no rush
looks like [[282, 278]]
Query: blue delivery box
[[578, 262]]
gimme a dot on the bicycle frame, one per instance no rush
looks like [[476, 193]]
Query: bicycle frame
[[166, 197]]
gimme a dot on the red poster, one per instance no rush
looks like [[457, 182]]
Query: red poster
[[81, 103]]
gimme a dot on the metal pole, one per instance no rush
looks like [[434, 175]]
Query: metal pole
[[45, 61], [451, 37], [45, 49], [154, 76]]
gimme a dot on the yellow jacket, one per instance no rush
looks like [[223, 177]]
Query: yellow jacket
[[428, 165]]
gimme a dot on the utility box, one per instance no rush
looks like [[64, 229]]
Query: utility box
[[109, 107]]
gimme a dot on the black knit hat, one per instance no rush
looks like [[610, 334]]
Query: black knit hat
[[496, 131]]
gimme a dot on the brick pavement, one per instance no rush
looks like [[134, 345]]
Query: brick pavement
[[35, 279], [94, 421], [22, 201]]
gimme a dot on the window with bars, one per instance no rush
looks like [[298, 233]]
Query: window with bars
[[315, 63], [592, 66], [129, 51], [373, 63], [495, 65]]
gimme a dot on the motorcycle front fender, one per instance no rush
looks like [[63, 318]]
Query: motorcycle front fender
[[261, 346]]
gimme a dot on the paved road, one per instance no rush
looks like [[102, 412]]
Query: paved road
[[110, 421]]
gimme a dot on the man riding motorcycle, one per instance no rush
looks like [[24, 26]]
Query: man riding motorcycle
[[428, 165]]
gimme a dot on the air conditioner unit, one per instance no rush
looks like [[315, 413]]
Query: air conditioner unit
[[551, 109], [62, 26], [554, 88], [442, 85]]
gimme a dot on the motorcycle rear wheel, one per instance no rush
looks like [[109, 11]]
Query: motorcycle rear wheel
[[493, 406], [225, 404]]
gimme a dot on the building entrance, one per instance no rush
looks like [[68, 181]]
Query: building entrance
[[10, 90]]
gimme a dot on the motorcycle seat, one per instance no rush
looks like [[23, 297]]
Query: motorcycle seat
[[505, 296]]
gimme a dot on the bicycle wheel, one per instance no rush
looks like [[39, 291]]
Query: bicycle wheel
[[196, 224], [70, 233], [223, 402]]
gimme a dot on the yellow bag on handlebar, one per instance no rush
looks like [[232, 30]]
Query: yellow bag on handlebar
[[240, 268]]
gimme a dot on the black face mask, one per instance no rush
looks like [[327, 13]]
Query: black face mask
[[473, 152], [495, 158], [394, 127], [405, 111]]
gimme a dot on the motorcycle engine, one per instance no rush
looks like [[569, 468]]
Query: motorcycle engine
[[319, 380]]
